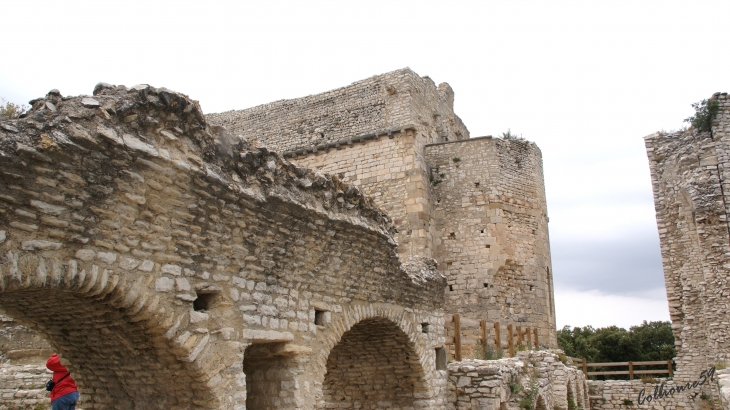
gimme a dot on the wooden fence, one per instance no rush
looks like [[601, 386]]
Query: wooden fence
[[581, 364], [470, 332]]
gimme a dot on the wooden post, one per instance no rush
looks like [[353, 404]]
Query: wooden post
[[497, 337], [537, 343], [519, 335], [529, 338], [669, 365], [631, 371], [510, 340], [585, 368], [457, 338], [483, 325]]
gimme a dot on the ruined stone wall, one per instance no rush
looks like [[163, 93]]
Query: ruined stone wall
[[389, 154], [24, 387], [371, 134], [656, 394], [508, 384], [490, 213], [382, 103], [194, 272], [387, 170], [689, 172], [15, 337]]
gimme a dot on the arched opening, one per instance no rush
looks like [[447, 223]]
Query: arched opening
[[540, 403], [270, 382], [119, 357], [578, 393], [374, 366], [572, 404]]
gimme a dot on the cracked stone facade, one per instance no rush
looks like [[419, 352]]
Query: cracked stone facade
[[690, 174]]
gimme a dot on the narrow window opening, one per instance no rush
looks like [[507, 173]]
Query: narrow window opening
[[440, 358], [482, 231], [487, 246], [204, 301], [319, 317], [476, 185], [451, 288], [531, 287], [452, 235], [486, 285], [424, 327]]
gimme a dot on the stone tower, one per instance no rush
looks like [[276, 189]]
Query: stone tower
[[475, 205]]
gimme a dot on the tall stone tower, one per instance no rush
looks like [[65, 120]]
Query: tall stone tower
[[475, 205]]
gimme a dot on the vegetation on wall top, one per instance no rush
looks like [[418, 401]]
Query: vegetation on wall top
[[705, 112]]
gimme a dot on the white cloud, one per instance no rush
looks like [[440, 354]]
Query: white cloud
[[582, 308]]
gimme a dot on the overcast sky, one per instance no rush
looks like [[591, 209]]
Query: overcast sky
[[585, 80]]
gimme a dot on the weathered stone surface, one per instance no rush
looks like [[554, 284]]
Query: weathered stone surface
[[505, 383], [475, 205], [189, 279], [690, 174]]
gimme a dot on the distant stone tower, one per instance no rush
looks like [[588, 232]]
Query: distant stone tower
[[475, 205], [690, 173]]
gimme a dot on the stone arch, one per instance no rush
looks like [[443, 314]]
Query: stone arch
[[540, 403], [121, 340], [571, 397], [378, 361]]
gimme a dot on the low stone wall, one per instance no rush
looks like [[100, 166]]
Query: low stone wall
[[534, 379], [23, 387], [623, 394], [723, 382]]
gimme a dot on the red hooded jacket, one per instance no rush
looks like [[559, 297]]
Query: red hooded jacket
[[67, 385]]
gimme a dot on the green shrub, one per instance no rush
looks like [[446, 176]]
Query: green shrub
[[10, 111], [705, 112], [509, 136]]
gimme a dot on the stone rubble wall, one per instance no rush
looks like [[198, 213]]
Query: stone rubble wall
[[24, 386], [173, 250], [503, 384], [388, 135], [17, 338], [490, 213], [621, 394], [371, 134], [394, 99], [691, 184]]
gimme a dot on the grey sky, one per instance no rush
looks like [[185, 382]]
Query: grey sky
[[584, 80]]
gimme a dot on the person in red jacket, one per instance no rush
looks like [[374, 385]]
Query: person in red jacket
[[65, 394]]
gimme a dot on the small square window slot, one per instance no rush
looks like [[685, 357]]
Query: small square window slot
[[440, 358], [205, 301], [319, 317]]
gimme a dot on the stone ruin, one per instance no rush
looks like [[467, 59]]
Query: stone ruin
[[690, 173], [476, 205], [296, 255]]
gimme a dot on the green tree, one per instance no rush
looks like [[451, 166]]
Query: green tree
[[705, 112], [576, 342], [650, 341]]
